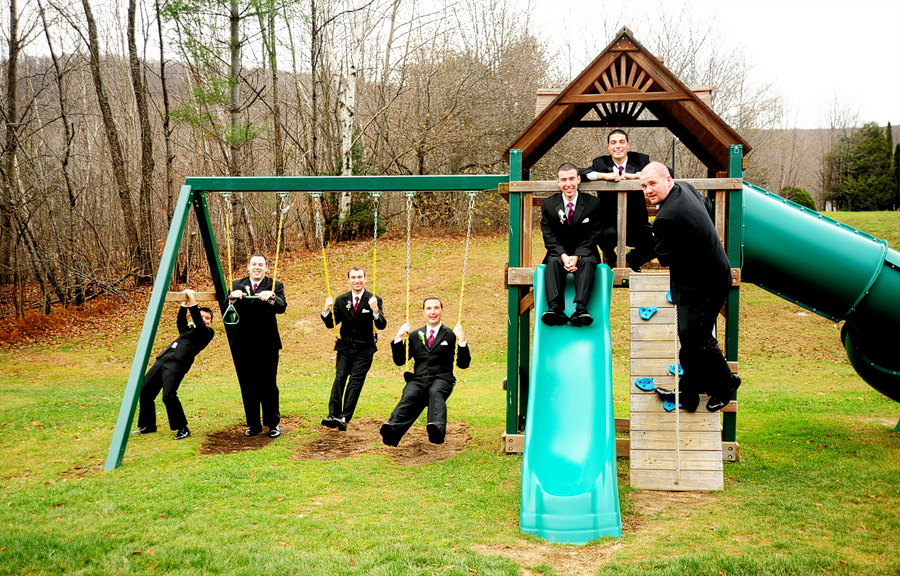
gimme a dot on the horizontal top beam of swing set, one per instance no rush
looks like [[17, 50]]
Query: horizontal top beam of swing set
[[346, 183]]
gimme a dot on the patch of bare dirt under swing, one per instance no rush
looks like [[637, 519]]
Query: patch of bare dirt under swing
[[361, 437]]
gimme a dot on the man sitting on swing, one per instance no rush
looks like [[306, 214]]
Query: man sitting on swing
[[433, 347], [358, 312]]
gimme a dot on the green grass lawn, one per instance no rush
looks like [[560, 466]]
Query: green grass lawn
[[817, 490]]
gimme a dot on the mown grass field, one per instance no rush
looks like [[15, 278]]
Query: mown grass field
[[817, 490]]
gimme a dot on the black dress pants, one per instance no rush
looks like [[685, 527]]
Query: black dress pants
[[353, 364], [418, 395], [555, 281], [257, 371], [166, 376], [705, 367]]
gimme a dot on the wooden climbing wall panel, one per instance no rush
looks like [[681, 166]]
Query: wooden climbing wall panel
[[653, 454]]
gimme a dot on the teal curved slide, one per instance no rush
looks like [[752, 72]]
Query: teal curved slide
[[569, 484], [833, 270]]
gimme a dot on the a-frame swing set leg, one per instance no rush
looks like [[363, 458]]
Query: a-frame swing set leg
[[154, 310]]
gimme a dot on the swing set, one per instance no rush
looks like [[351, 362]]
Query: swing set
[[194, 194]]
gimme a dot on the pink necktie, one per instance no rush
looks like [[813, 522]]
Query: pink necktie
[[569, 213], [621, 169], [355, 303], [255, 284], [430, 338]]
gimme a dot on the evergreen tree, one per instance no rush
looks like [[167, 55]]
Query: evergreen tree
[[859, 170]]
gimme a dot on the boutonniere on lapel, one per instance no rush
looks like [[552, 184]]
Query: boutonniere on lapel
[[349, 305], [422, 336], [562, 217]]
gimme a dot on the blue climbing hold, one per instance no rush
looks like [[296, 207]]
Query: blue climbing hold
[[668, 405], [645, 384], [669, 296], [672, 369], [647, 312]]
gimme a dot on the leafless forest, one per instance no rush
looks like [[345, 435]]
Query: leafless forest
[[108, 107]]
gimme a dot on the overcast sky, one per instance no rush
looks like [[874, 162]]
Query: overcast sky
[[813, 51]]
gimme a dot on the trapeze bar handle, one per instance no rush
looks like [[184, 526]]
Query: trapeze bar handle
[[230, 317]]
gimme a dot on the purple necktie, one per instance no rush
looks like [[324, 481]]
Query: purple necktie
[[569, 213], [430, 338], [255, 284], [355, 303], [621, 169]]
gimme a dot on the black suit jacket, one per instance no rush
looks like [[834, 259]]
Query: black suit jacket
[[356, 327], [609, 203], [436, 362], [685, 239], [190, 341], [257, 327], [578, 239]]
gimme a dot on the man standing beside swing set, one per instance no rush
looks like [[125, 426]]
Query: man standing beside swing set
[[359, 312]]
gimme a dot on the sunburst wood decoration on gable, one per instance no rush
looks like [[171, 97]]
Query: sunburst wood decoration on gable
[[620, 85]]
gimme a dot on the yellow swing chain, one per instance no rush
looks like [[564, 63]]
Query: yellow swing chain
[[281, 213], [409, 203], [320, 236], [462, 286]]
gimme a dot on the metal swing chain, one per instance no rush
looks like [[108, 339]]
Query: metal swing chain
[[375, 201], [230, 309], [282, 212], [320, 236], [462, 287], [409, 204]]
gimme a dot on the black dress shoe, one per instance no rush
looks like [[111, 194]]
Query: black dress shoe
[[436, 433], [144, 430], [718, 402], [581, 317], [182, 433], [554, 318], [340, 424], [329, 422], [274, 432], [689, 400], [389, 435], [252, 431]]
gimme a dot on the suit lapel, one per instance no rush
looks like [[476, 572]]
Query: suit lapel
[[579, 209]]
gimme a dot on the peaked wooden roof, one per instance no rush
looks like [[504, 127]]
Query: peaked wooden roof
[[622, 82]]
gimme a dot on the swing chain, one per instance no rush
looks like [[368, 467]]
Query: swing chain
[[471, 194], [409, 204]]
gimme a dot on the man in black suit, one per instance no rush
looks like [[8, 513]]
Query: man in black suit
[[171, 365], [433, 348], [255, 344], [685, 239], [359, 312], [621, 164], [570, 223]]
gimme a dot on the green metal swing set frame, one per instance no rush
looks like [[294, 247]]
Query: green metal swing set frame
[[193, 194]]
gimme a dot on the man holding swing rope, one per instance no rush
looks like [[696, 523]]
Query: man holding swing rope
[[359, 312], [171, 366], [255, 344], [433, 347]]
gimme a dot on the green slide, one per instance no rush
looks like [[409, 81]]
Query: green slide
[[833, 270], [569, 483]]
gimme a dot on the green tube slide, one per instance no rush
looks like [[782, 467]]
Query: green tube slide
[[569, 482], [833, 270]]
